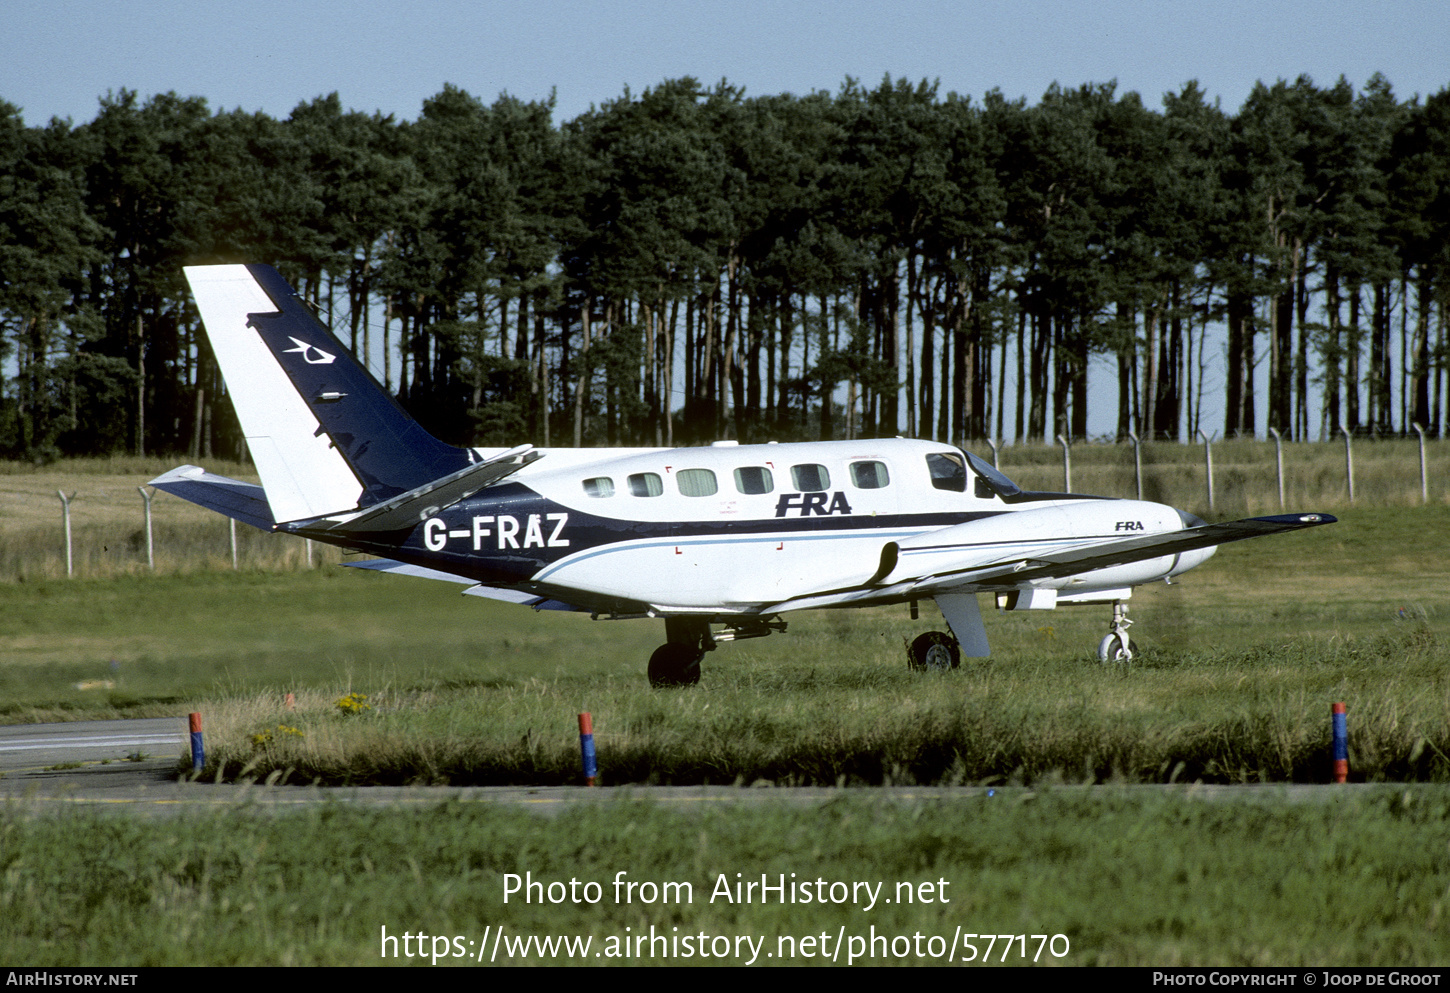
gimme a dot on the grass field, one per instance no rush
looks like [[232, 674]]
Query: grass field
[[1141, 878], [1241, 661]]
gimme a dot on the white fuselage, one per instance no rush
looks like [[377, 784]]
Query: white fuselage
[[731, 528]]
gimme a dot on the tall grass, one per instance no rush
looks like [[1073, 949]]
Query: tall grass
[[108, 524], [1237, 716], [1386, 473]]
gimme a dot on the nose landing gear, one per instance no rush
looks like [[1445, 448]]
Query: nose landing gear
[[935, 651], [1116, 646]]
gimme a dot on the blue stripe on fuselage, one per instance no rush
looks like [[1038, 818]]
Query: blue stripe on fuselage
[[530, 542]]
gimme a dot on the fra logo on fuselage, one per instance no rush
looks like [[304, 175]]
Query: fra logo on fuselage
[[807, 504], [1129, 526]]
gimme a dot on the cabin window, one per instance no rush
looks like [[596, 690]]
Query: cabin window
[[869, 475], [754, 479], [696, 482], [646, 484], [947, 471], [810, 478], [599, 486]]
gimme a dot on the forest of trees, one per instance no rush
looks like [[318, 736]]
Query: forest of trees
[[689, 263]]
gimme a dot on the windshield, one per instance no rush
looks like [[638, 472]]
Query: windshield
[[999, 483]]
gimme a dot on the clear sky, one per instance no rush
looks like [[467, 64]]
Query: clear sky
[[58, 57]]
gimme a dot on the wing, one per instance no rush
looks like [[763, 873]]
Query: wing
[[1071, 562], [972, 566]]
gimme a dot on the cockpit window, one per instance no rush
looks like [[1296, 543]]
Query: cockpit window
[[947, 471]]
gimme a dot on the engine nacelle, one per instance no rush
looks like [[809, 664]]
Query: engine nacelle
[[1024, 535]]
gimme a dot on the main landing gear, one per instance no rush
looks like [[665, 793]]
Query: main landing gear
[[677, 661], [1116, 646]]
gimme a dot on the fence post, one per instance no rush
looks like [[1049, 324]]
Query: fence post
[[1066, 465], [65, 512], [1208, 463], [150, 548], [1348, 464], [1424, 486], [233, 522], [1137, 462], [993, 446], [1279, 461]]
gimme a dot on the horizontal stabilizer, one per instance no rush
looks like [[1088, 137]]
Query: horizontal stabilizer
[[474, 589], [245, 502], [404, 569], [407, 510], [519, 596]]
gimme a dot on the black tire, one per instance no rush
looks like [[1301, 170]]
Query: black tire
[[935, 651], [1110, 649], [674, 664]]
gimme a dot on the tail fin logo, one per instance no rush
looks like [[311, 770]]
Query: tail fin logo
[[307, 351]]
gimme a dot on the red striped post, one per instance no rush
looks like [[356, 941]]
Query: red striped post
[[586, 748], [198, 754], [1341, 742]]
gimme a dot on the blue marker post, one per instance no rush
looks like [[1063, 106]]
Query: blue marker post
[[198, 754], [1341, 742], [586, 748]]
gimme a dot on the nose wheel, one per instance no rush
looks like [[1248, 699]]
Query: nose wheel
[[935, 651], [1116, 646]]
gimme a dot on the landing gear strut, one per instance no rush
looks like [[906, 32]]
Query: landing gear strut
[[1116, 646]]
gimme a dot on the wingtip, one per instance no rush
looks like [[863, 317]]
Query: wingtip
[[1304, 520]]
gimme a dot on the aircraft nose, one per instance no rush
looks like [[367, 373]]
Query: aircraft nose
[[1190, 521]]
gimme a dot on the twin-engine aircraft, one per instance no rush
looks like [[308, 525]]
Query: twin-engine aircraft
[[719, 542]]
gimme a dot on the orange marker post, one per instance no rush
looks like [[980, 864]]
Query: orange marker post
[[586, 748], [1341, 742], [198, 753]]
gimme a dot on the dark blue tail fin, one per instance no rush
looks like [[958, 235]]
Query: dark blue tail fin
[[325, 436]]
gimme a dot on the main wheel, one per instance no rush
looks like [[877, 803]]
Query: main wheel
[[674, 664], [935, 651], [1110, 649]]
